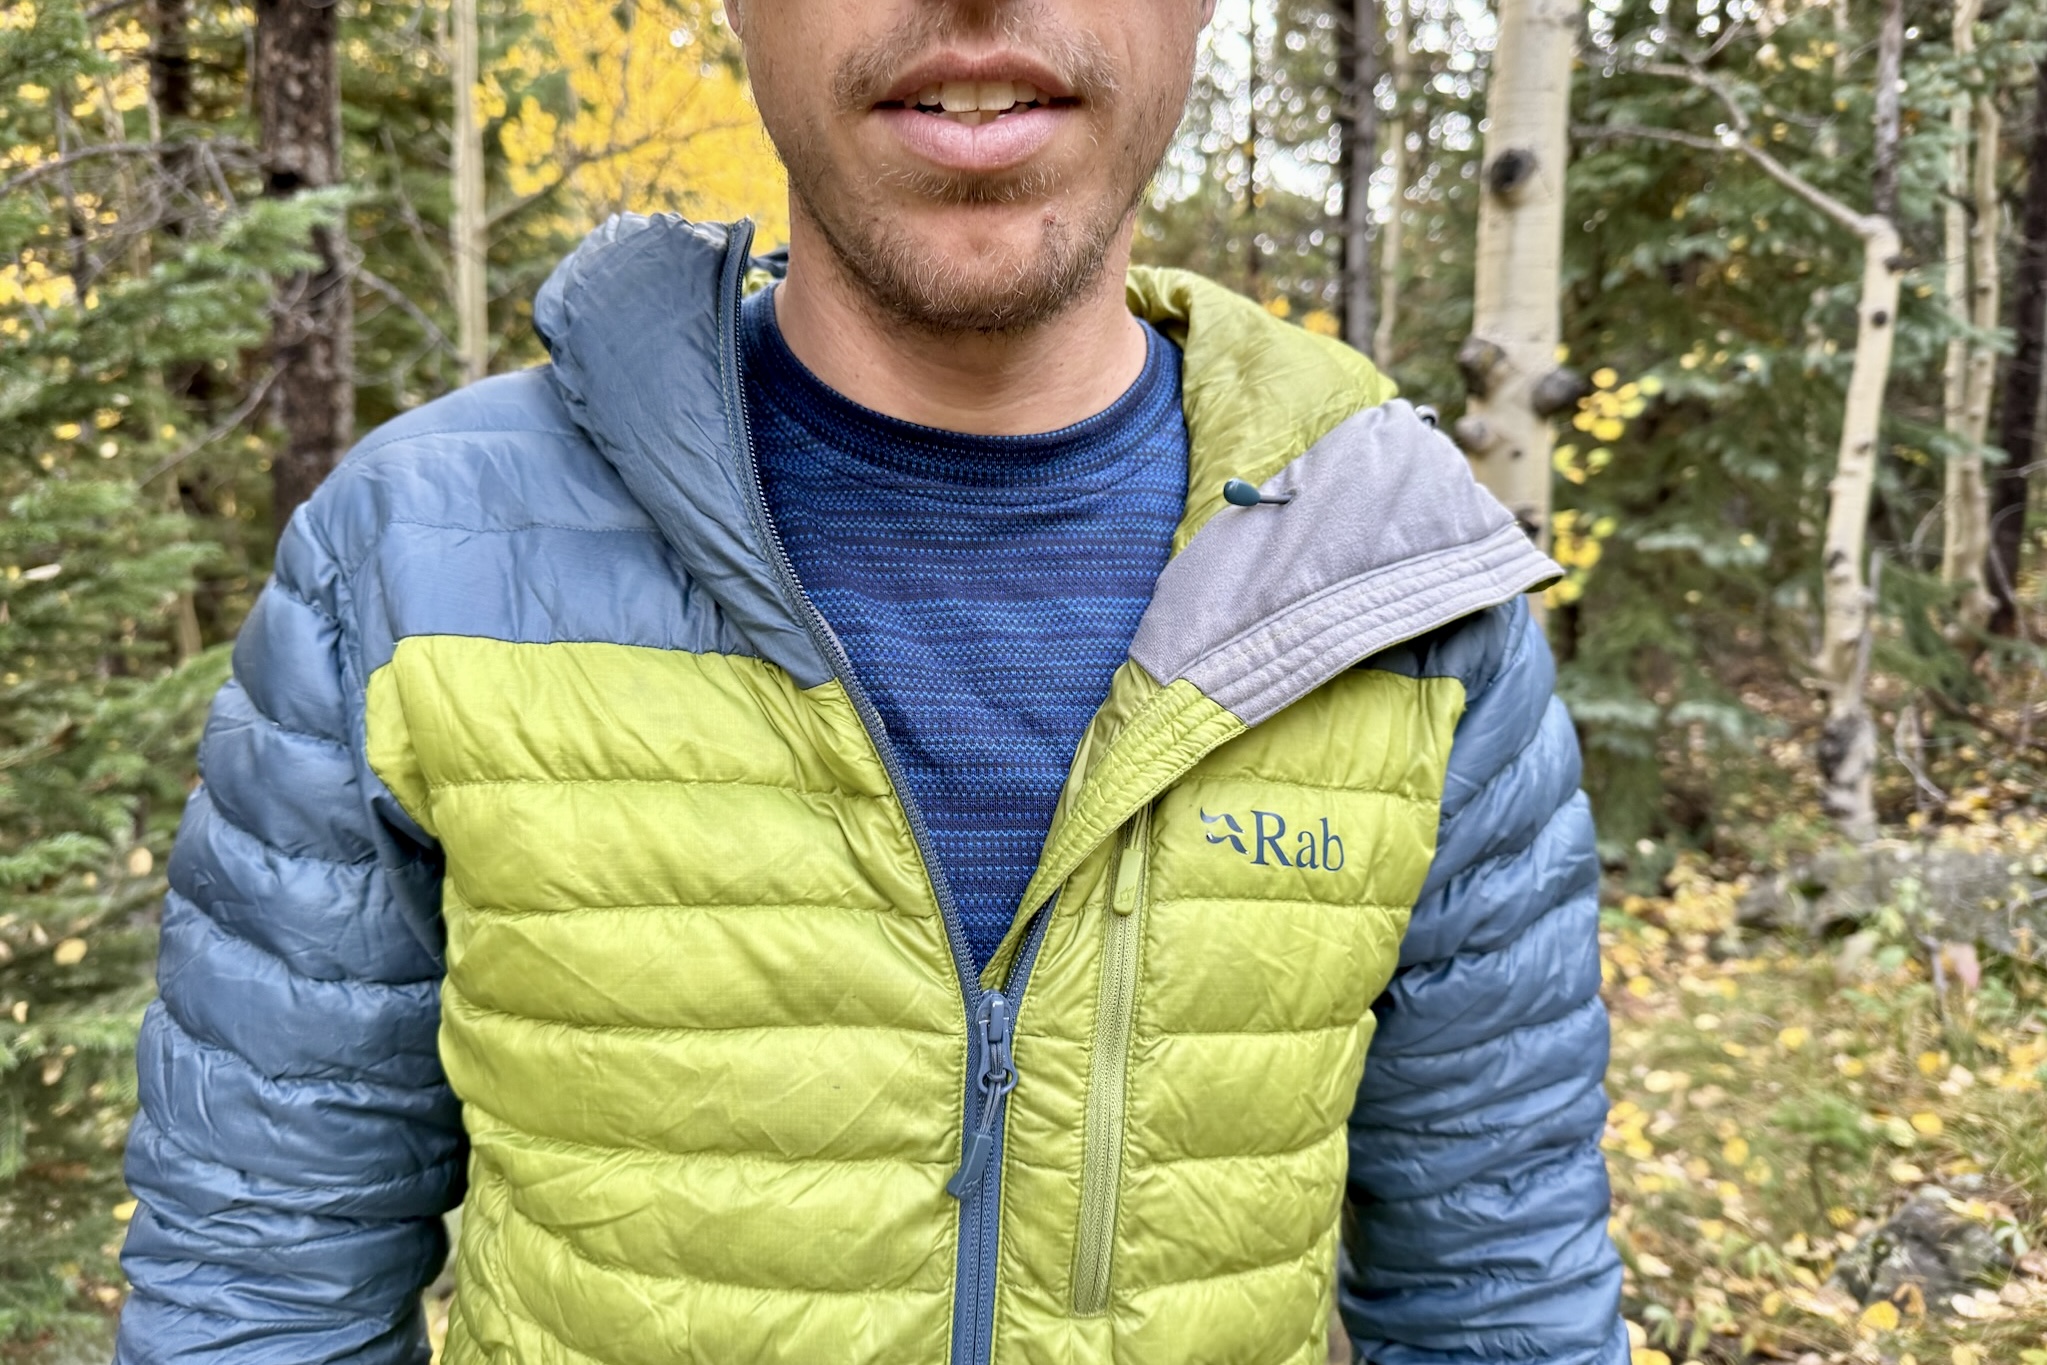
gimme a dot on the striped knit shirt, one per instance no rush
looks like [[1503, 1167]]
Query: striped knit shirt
[[984, 588]]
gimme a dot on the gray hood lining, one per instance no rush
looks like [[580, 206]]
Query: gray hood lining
[[1387, 537]]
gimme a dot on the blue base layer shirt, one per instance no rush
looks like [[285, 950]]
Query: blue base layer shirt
[[984, 588]]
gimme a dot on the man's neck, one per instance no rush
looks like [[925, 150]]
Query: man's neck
[[1061, 372]]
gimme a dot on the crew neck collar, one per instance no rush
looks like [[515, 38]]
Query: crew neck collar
[[889, 446]]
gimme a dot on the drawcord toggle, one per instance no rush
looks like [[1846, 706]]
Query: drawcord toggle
[[1242, 493]]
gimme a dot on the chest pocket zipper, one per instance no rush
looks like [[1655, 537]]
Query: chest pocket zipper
[[1116, 1008]]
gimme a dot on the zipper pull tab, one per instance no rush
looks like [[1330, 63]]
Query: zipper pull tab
[[1130, 864], [997, 1078]]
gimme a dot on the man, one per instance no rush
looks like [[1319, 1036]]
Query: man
[[875, 818]]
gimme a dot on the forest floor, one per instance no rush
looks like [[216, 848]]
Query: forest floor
[[1775, 1103]]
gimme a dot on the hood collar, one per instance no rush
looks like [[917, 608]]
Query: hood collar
[[641, 324]]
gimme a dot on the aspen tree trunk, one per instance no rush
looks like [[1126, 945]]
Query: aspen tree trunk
[[2017, 417], [1255, 84], [1513, 342], [1392, 234], [1955, 248], [297, 81], [1972, 296], [1846, 753], [1358, 159], [1890, 58], [1847, 749], [472, 299], [1983, 286], [1829, 142]]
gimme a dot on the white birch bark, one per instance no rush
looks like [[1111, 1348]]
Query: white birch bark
[[1847, 751], [1846, 754], [1515, 326], [469, 229]]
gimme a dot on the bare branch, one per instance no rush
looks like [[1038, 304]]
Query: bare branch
[[379, 285], [1727, 36], [1692, 75], [1861, 224], [66, 161], [408, 213], [577, 161], [514, 207]]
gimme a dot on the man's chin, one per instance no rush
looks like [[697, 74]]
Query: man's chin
[[953, 271], [982, 297]]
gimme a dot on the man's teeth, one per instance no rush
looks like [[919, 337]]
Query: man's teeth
[[975, 102]]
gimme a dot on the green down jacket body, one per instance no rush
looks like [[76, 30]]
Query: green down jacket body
[[547, 849]]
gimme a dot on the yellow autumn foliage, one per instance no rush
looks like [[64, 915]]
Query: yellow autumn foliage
[[663, 119]]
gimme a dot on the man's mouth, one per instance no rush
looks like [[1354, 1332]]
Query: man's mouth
[[973, 103], [978, 114]]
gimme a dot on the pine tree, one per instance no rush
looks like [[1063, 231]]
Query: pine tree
[[99, 300]]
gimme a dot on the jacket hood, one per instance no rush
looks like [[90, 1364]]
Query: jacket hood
[[639, 323]]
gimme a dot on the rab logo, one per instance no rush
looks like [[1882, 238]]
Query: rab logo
[[1323, 852]]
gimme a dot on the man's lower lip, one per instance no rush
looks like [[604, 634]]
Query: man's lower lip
[[1000, 144]]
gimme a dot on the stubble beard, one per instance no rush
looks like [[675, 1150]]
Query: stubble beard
[[911, 284], [924, 287]]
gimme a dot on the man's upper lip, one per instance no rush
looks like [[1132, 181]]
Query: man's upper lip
[[941, 67]]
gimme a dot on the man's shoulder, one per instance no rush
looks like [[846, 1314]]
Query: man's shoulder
[[498, 455], [523, 402]]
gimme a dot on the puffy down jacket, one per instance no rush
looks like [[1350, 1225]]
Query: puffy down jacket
[[548, 854]]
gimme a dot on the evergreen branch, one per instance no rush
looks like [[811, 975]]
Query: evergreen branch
[[220, 429], [54, 742], [15, 956]]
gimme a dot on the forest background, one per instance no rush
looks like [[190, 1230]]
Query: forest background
[[232, 236]]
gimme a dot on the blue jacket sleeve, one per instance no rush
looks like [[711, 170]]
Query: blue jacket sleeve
[[297, 1141], [1478, 1194]]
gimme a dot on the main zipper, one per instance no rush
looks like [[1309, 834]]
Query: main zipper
[[1108, 1072], [991, 1014]]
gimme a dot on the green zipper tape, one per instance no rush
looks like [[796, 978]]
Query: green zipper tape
[[1102, 1157]]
